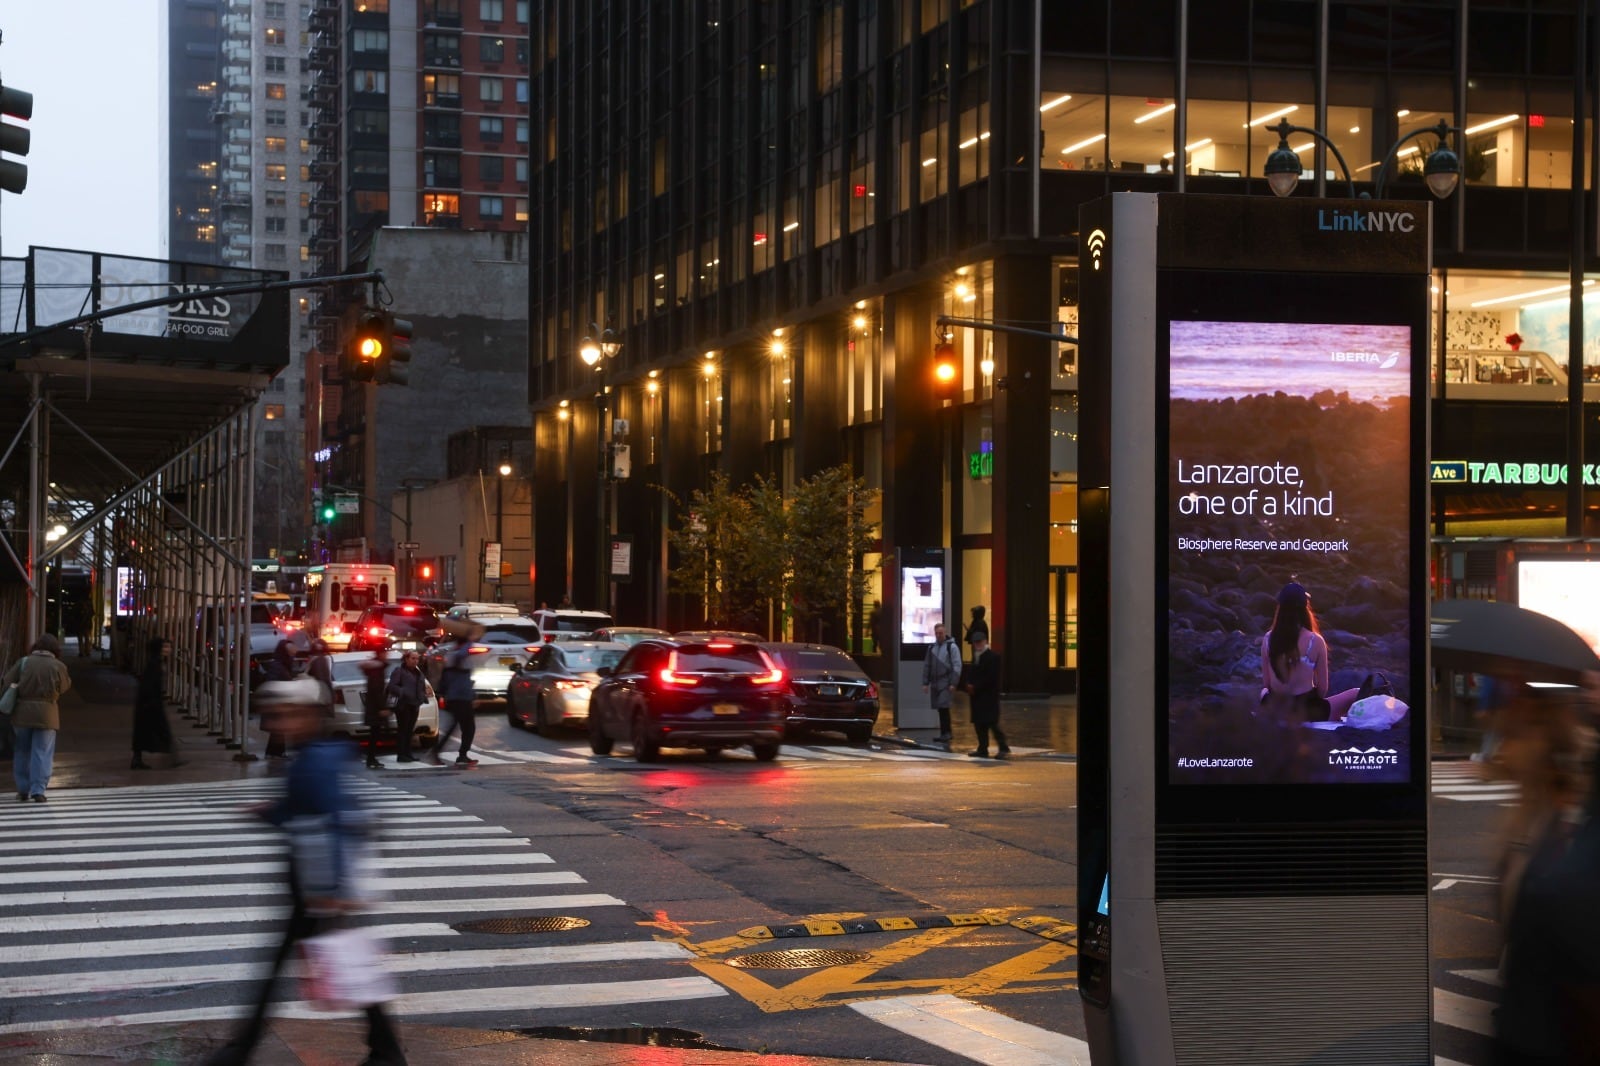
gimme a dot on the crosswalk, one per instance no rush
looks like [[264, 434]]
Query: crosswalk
[[799, 755], [165, 904], [1466, 781]]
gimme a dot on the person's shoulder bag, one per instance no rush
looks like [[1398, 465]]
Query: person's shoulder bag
[[8, 699]]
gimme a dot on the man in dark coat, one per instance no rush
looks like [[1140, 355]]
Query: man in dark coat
[[410, 692], [375, 702], [151, 729], [983, 685]]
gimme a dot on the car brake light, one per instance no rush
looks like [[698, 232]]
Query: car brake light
[[375, 631], [478, 649], [719, 645], [670, 678], [531, 647], [771, 677], [408, 609], [872, 691]]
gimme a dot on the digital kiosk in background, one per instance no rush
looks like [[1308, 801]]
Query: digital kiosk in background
[[1253, 868], [924, 601]]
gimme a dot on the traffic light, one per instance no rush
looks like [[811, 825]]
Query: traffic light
[[325, 509], [14, 103], [368, 352], [424, 571], [398, 368], [946, 374]]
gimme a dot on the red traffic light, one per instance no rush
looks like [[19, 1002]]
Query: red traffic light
[[945, 371], [425, 571]]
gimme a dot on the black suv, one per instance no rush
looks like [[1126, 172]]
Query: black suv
[[396, 627], [711, 694]]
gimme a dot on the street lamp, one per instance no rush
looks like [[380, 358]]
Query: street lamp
[[1441, 170], [1283, 166], [596, 354]]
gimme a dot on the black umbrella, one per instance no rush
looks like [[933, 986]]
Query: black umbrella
[[1488, 637]]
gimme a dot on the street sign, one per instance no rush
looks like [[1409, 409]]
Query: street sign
[[622, 557], [408, 545], [491, 560], [347, 503]]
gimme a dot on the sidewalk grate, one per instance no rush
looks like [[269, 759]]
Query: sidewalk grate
[[541, 924]]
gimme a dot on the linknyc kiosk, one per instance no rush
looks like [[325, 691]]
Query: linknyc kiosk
[[1253, 878]]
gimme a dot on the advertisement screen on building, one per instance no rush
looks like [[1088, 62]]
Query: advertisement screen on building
[[1288, 602], [1564, 589], [921, 603]]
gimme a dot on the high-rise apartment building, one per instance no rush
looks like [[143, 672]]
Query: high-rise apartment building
[[192, 53]]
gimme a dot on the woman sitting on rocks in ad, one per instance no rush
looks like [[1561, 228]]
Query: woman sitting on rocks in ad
[[1294, 664]]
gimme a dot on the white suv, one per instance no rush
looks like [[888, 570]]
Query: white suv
[[564, 623], [497, 653]]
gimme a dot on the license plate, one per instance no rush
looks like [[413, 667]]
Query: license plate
[[827, 690], [724, 708], [511, 661]]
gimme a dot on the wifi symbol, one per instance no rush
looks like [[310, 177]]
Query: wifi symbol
[[1097, 243]]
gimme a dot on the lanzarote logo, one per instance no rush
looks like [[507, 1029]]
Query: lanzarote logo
[[1364, 758]]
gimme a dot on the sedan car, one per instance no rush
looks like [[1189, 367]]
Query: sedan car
[[689, 694], [350, 698], [495, 655], [629, 635], [826, 690], [552, 688], [396, 627], [719, 634]]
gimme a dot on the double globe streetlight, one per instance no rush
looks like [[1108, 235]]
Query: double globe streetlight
[[1441, 169], [595, 355]]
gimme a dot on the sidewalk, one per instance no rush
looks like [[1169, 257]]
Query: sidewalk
[[93, 751]]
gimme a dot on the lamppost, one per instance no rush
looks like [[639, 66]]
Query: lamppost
[[499, 526], [596, 355], [1441, 170]]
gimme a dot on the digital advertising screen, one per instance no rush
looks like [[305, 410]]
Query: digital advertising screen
[[1288, 554], [1564, 589], [921, 603], [125, 593]]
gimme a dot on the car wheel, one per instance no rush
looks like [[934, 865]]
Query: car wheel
[[858, 733], [599, 743], [765, 752], [644, 749]]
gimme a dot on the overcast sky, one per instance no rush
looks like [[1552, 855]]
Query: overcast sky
[[96, 69]]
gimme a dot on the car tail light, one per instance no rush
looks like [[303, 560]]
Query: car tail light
[[669, 678], [338, 695], [773, 676], [478, 649], [531, 647], [375, 631], [720, 645], [872, 691], [572, 686], [407, 609]]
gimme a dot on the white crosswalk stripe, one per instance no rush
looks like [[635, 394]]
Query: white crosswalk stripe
[[113, 899], [1466, 782], [576, 754]]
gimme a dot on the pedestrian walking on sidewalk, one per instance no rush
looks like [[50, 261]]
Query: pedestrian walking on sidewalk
[[941, 672], [983, 685], [456, 694], [279, 668], [316, 794], [375, 702], [152, 731], [41, 677], [409, 691]]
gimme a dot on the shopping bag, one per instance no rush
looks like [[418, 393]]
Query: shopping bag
[[1375, 712], [343, 970]]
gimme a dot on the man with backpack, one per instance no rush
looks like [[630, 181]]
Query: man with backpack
[[941, 672]]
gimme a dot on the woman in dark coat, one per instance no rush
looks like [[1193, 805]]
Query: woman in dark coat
[[151, 730]]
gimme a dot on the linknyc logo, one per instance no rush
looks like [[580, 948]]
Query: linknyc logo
[[1365, 221]]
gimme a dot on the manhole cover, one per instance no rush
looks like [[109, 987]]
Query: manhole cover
[[797, 959], [542, 924]]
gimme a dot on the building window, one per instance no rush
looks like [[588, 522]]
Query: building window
[[441, 90], [305, 253], [491, 90], [305, 199], [369, 41], [277, 172], [305, 172], [369, 81], [522, 209], [441, 130], [275, 253], [273, 412], [277, 91], [441, 209], [369, 164], [275, 198], [277, 225], [491, 208], [369, 121], [441, 50], [275, 36], [305, 146], [370, 202], [491, 128], [492, 49], [274, 9], [441, 170], [206, 234], [522, 12], [491, 168], [522, 90], [522, 131], [491, 10], [276, 64], [522, 171], [276, 118], [276, 144]]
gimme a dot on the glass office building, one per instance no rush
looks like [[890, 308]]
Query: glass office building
[[773, 204]]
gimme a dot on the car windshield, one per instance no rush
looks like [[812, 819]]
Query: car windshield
[[510, 635], [409, 620], [592, 659], [733, 658], [816, 660]]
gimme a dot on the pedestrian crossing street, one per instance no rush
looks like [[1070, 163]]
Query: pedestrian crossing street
[[165, 904], [1465, 781], [796, 755]]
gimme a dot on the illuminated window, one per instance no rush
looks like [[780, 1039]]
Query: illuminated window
[[206, 233], [441, 209], [522, 209], [441, 90], [277, 172], [273, 412], [275, 36], [367, 81], [276, 144], [277, 91]]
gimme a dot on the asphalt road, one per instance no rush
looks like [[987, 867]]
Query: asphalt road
[[690, 875]]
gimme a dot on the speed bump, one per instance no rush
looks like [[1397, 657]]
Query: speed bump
[[1049, 928], [867, 925]]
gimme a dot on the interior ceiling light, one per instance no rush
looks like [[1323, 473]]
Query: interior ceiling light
[[1524, 295], [1491, 124], [1157, 113], [930, 161], [1270, 115], [1096, 139], [1052, 104], [1402, 113]]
